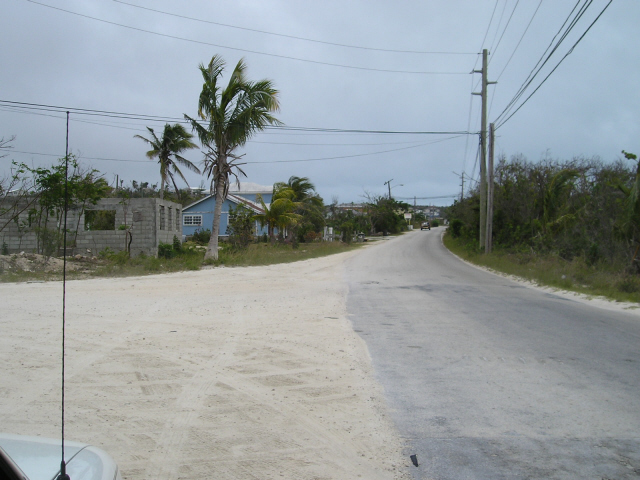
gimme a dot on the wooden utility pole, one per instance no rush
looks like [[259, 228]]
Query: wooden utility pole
[[388, 183], [483, 149], [489, 232], [462, 184]]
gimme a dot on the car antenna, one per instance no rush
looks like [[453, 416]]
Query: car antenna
[[63, 467]]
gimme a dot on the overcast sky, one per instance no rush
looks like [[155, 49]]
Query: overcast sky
[[393, 66]]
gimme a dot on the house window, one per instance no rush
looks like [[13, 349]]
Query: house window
[[170, 219], [178, 219], [192, 220]]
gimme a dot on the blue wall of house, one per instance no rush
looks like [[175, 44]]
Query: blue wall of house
[[205, 209]]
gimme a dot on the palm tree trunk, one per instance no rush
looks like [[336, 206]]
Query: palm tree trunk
[[212, 248]]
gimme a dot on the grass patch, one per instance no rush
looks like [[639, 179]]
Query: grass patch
[[267, 254], [112, 264], [601, 279]]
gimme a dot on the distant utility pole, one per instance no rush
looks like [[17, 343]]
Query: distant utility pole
[[388, 183], [483, 149], [462, 184]]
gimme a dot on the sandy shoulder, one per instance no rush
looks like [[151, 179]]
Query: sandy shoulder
[[227, 373]]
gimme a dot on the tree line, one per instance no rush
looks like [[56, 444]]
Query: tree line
[[581, 208]]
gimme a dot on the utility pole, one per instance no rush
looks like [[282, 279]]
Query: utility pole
[[462, 184], [483, 149], [489, 239], [388, 183]]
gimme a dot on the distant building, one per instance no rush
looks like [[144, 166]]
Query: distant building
[[355, 208], [428, 211]]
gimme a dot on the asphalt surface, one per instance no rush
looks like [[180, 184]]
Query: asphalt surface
[[489, 379]]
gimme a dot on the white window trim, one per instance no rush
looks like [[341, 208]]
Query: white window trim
[[193, 222]]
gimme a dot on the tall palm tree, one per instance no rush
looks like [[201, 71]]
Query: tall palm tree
[[231, 116], [175, 140]]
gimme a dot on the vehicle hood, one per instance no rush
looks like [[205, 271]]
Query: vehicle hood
[[39, 458]]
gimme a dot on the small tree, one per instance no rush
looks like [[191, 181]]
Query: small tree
[[241, 227]]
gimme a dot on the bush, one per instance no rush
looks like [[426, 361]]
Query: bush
[[312, 236], [241, 228], [177, 244], [201, 237], [456, 228], [165, 250], [435, 223]]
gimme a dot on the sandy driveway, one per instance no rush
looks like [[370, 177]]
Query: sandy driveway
[[227, 373]]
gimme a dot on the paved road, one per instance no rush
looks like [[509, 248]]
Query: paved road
[[488, 379]]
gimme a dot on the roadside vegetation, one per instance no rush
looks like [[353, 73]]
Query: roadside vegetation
[[573, 225]]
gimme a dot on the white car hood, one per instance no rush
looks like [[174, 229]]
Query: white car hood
[[39, 458]]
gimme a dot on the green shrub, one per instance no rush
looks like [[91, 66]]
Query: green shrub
[[456, 228], [201, 236], [106, 253], [177, 244], [435, 223], [165, 250]]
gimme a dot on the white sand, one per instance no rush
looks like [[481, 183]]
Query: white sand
[[226, 373]]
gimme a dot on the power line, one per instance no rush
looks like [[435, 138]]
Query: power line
[[520, 41], [355, 155], [430, 198], [157, 118], [572, 22], [498, 26], [493, 49], [533, 71], [293, 36], [200, 42], [340, 157], [557, 65]]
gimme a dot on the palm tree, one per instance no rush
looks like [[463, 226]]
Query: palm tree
[[231, 116], [175, 140], [308, 203], [280, 213]]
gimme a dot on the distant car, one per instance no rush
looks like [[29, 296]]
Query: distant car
[[36, 458], [425, 226]]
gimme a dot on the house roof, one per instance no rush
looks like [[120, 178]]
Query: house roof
[[238, 200], [247, 203]]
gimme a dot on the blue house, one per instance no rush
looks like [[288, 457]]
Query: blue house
[[199, 215]]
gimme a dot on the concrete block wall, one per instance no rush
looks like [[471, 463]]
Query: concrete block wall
[[151, 221]]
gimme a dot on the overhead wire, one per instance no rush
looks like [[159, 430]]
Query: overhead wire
[[520, 41], [158, 118], [504, 8], [499, 124], [548, 53], [256, 52], [299, 160], [494, 49], [324, 42]]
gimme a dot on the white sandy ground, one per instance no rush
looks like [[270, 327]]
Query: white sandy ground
[[225, 373]]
